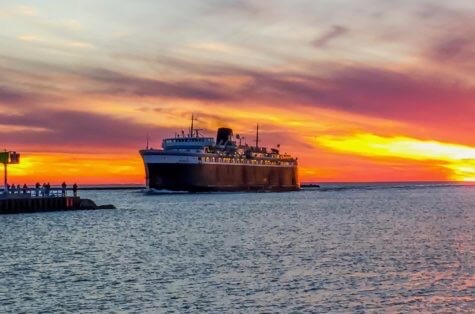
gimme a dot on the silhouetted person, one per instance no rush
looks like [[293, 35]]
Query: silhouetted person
[[63, 189], [37, 189], [8, 188], [18, 188], [75, 190], [13, 188], [43, 190], [48, 187], [25, 188]]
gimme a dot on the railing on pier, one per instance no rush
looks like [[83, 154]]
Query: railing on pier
[[38, 193]]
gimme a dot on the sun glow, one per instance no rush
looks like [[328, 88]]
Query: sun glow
[[80, 168], [459, 159]]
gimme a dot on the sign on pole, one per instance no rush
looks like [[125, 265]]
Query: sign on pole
[[14, 158], [4, 157], [9, 158]]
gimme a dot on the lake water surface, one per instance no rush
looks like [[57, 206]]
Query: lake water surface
[[376, 248]]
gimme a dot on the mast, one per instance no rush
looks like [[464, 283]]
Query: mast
[[257, 136], [191, 129]]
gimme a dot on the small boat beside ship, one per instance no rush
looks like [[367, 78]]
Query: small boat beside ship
[[195, 163]]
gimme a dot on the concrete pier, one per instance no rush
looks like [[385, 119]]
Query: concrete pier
[[19, 205]]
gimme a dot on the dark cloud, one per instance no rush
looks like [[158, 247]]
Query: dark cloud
[[400, 96], [75, 130], [14, 97], [115, 83], [408, 97], [457, 52], [335, 32], [452, 48]]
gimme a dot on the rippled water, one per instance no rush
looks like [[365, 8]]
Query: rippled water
[[336, 250]]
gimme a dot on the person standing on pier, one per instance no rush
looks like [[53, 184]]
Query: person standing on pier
[[48, 187], [75, 190], [25, 188], [63, 189], [13, 188], [37, 190]]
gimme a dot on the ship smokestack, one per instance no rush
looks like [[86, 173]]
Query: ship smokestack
[[224, 135]]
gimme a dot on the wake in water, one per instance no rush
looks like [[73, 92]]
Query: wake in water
[[161, 192]]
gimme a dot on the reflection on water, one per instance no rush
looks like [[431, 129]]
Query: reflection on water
[[341, 250]]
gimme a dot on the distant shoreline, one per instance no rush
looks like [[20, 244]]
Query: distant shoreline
[[302, 185]]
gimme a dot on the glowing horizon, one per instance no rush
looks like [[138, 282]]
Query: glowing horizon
[[357, 95]]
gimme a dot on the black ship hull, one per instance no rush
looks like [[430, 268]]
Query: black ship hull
[[203, 177]]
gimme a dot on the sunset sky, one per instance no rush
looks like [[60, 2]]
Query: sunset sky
[[367, 90]]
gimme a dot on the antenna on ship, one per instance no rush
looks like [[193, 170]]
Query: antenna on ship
[[148, 139], [191, 128]]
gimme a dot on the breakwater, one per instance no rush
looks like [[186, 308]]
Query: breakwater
[[19, 204]]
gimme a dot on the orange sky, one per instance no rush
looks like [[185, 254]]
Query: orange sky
[[374, 91]]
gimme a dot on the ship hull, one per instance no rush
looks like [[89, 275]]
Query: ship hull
[[203, 177]]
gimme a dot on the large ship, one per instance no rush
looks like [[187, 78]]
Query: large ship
[[194, 163]]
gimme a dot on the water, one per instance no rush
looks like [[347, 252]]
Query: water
[[341, 249]]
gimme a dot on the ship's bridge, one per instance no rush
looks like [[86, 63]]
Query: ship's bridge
[[187, 143]]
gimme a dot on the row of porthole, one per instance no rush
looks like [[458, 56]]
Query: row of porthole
[[188, 140]]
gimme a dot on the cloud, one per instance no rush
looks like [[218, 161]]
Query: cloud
[[410, 97], [453, 48], [448, 32], [74, 130], [439, 104], [404, 95], [335, 32], [115, 83], [455, 51], [16, 98], [8, 96]]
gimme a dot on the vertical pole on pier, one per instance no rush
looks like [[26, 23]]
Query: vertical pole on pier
[[8, 157], [5, 179]]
